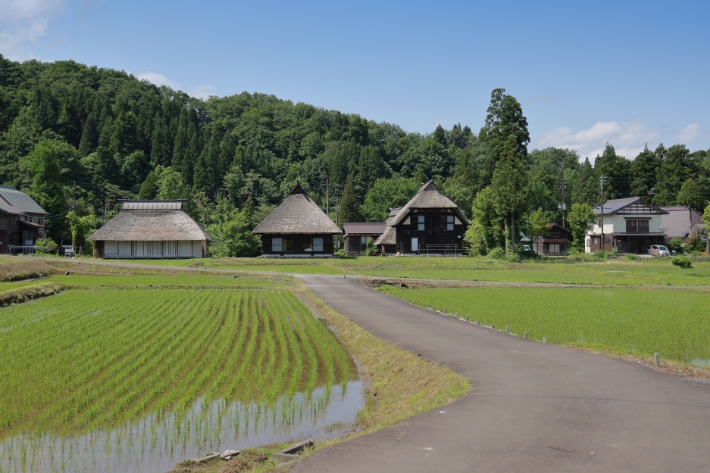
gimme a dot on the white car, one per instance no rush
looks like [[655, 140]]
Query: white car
[[659, 250], [69, 250]]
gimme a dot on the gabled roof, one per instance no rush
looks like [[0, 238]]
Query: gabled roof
[[298, 214], [428, 197], [615, 206], [20, 200], [150, 225]]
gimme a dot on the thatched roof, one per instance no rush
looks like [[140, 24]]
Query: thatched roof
[[389, 237], [298, 214], [150, 225], [428, 197]]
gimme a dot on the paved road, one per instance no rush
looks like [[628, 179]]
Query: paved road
[[533, 408]]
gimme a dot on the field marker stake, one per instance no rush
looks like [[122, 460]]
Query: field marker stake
[[456, 315], [657, 359], [466, 317], [444, 310], [506, 329], [525, 336], [544, 339], [478, 323], [493, 325]]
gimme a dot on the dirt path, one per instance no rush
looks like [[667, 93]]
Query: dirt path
[[533, 408]]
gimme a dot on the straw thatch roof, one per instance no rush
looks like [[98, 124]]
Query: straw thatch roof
[[298, 214], [429, 197], [150, 225]]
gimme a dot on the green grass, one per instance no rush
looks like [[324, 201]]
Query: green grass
[[161, 280], [613, 272], [673, 323], [94, 359]]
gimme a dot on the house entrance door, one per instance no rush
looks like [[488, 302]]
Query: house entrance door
[[633, 246]]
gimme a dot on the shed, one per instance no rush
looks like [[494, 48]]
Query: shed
[[151, 229], [297, 228], [357, 234]]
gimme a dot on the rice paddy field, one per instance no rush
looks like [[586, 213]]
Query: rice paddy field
[[126, 378], [671, 322], [645, 272]]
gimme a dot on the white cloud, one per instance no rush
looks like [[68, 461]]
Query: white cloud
[[23, 22], [158, 79], [202, 92], [689, 133], [628, 138]]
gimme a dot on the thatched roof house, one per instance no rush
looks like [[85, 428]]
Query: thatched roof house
[[429, 223], [151, 229], [297, 227]]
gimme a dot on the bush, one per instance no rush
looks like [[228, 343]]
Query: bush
[[601, 254], [630, 257], [341, 254], [614, 252], [497, 253], [675, 245], [45, 246], [513, 258], [682, 262]]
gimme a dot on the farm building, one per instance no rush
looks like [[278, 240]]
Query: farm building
[[151, 230], [297, 228], [357, 234], [630, 225], [553, 244], [21, 221], [430, 223], [679, 220]]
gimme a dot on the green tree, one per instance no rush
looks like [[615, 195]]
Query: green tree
[[580, 219], [47, 189], [386, 194], [616, 170], [349, 207], [706, 219], [489, 222], [149, 188], [644, 170], [506, 135], [238, 238], [538, 225], [170, 185], [672, 173], [79, 227], [691, 195]]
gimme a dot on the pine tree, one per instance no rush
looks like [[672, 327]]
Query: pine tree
[[643, 173], [671, 175], [349, 206], [89, 137]]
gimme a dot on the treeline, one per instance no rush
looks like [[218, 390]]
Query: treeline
[[117, 137]]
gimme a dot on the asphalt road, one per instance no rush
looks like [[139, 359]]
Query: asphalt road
[[533, 407]]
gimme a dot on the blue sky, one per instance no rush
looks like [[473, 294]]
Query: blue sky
[[627, 72]]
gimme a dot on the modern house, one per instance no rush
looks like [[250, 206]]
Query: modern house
[[151, 230], [554, 244], [430, 223], [357, 234], [21, 221], [630, 225], [297, 228], [679, 220]]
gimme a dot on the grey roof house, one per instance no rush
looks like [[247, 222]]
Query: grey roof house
[[21, 221], [151, 230], [357, 234], [297, 228], [679, 221]]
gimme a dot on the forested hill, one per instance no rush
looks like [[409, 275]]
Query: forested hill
[[118, 137]]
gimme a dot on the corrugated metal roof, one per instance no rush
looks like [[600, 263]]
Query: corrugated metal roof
[[152, 205], [364, 227], [20, 200]]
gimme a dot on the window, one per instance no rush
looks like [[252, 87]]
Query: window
[[420, 223], [637, 226], [287, 245], [587, 242], [450, 222], [317, 244], [554, 248], [363, 243], [276, 244]]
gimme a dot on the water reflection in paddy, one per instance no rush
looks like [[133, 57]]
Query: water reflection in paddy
[[156, 443]]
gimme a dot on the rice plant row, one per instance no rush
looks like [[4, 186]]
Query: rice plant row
[[96, 359], [674, 323]]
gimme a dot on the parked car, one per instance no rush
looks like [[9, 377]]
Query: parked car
[[68, 250], [527, 248], [659, 250]]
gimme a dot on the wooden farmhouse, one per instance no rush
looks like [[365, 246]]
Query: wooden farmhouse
[[357, 234], [430, 223], [151, 230], [21, 221], [630, 225], [553, 244], [297, 228]]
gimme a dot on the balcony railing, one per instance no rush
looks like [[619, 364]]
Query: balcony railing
[[36, 220]]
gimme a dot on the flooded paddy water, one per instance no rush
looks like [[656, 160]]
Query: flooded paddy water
[[157, 444]]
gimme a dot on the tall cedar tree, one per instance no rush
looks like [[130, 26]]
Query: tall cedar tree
[[643, 173], [671, 175], [349, 207], [506, 134]]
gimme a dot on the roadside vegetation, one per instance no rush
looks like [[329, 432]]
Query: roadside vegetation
[[636, 321]]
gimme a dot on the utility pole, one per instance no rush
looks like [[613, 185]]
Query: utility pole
[[337, 207], [601, 180], [73, 200], [325, 184], [563, 206]]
